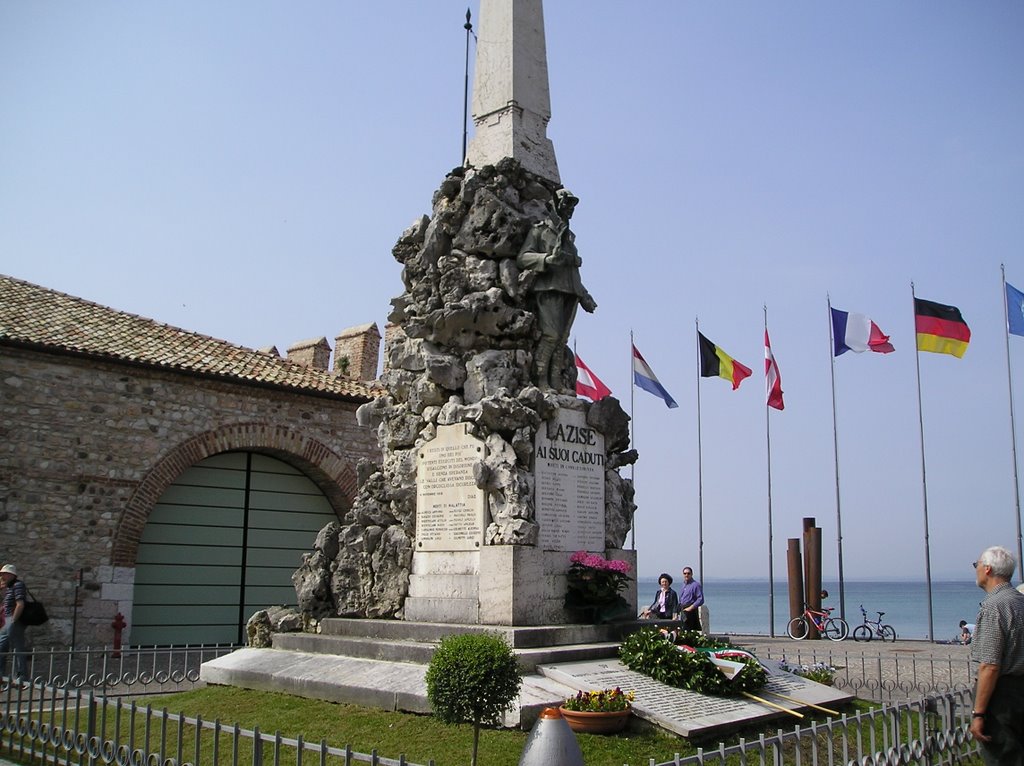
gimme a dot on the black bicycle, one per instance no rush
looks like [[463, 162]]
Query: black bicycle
[[873, 629]]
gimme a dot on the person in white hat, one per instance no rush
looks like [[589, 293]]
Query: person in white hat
[[12, 635]]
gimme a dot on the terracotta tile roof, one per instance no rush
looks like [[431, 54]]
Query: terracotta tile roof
[[37, 316]]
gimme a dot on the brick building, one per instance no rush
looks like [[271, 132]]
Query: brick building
[[165, 475]]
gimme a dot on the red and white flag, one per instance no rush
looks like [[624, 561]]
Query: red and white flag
[[772, 378], [588, 384]]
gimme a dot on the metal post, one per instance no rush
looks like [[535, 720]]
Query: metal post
[[700, 470], [835, 451], [468, 26], [1013, 431], [924, 479]]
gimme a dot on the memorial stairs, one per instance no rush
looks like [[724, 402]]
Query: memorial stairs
[[382, 663]]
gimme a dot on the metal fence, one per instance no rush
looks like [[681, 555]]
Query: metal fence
[[141, 670], [66, 726], [71, 714], [884, 678], [929, 731], [134, 670]]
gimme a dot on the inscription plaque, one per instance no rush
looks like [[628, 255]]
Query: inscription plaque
[[450, 509], [688, 713], [569, 494]]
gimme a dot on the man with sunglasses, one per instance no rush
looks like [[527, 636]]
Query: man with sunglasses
[[691, 598], [997, 721]]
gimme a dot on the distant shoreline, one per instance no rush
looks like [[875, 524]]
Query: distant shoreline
[[830, 580]]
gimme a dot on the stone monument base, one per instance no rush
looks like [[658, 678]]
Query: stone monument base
[[497, 585], [383, 663]]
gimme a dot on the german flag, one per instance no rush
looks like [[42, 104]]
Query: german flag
[[940, 329], [716, 363]]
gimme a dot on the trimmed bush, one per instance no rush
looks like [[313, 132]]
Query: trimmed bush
[[473, 678]]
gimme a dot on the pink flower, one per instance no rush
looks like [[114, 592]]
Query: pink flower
[[593, 561]]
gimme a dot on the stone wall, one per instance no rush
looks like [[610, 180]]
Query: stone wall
[[356, 352], [88, 446]]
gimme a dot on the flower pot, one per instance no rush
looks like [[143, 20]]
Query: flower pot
[[594, 722]]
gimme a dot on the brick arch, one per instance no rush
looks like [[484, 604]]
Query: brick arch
[[334, 476]]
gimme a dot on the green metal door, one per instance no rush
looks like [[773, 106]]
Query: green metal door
[[221, 543]]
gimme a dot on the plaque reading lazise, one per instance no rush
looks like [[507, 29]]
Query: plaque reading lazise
[[569, 494], [450, 509]]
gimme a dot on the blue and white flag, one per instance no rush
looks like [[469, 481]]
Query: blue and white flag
[[1014, 310], [644, 377]]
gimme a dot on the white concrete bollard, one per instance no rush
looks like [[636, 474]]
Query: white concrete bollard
[[551, 742], [705, 618]]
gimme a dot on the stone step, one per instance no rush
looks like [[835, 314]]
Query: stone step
[[420, 652], [373, 683], [517, 637], [367, 648]]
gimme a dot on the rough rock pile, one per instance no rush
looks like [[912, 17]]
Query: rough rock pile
[[463, 355]]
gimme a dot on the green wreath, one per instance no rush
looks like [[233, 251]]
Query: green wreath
[[653, 654]]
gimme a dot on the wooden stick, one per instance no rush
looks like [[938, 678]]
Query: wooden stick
[[772, 704], [802, 702]]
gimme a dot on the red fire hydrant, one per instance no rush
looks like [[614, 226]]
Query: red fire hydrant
[[118, 625]]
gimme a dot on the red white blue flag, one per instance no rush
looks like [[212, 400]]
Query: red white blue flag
[[588, 384], [855, 332], [644, 377]]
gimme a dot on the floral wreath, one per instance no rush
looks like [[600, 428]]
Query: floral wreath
[[689, 666]]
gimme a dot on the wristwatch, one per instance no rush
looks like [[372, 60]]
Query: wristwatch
[[976, 714]]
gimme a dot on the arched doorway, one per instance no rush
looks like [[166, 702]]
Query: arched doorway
[[221, 543]]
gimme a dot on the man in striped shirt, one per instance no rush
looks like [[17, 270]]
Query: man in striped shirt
[[997, 721], [12, 635]]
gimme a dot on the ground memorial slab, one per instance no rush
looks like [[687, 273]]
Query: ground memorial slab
[[694, 715], [569, 468]]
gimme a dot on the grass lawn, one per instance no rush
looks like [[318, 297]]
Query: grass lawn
[[418, 737]]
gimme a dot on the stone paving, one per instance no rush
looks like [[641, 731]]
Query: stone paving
[[886, 672]]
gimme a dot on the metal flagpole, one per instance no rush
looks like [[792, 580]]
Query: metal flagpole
[[1013, 429], [924, 479], [468, 26], [835, 450], [771, 563], [700, 470], [632, 425]]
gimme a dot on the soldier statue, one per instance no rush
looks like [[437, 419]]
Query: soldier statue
[[550, 252]]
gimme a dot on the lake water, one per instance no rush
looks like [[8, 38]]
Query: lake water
[[741, 606]]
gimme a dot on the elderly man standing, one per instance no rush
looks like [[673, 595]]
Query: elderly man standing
[[998, 647], [12, 635]]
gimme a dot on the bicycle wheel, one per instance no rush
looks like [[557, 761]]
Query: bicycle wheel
[[888, 633], [836, 629], [862, 633], [797, 628]]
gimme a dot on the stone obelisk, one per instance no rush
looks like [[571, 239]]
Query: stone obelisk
[[493, 472], [511, 101]]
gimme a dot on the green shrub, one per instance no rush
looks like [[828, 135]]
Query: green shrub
[[472, 678]]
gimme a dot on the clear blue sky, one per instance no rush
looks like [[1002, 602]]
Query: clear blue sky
[[243, 169]]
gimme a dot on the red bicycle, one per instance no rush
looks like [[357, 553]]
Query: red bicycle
[[832, 628]]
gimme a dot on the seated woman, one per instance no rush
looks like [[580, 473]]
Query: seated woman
[[666, 601]]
